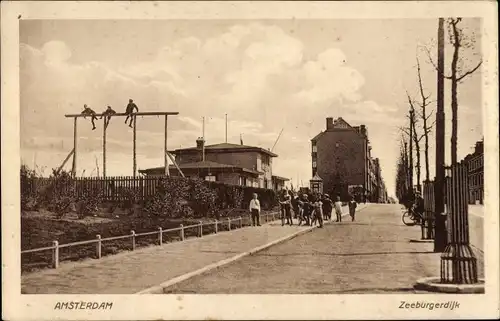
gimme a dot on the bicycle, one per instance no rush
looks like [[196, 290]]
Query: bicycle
[[411, 218]]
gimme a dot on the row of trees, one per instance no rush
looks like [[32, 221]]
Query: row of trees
[[420, 123]]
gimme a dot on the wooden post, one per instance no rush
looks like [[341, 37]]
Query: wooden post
[[160, 236], [200, 229], [55, 255], [229, 224], [216, 226], [440, 233], [103, 148], [167, 172], [133, 240], [181, 232], [134, 145], [241, 221], [75, 130], [98, 247]]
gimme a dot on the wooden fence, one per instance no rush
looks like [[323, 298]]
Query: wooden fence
[[113, 188], [429, 214], [458, 263]]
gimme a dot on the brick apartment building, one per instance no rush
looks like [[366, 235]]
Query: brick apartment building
[[226, 163], [341, 158], [475, 162]]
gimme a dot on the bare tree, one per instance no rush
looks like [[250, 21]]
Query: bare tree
[[415, 138], [458, 39], [425, 116]]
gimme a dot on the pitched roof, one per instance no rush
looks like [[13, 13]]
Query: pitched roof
[[229, 146], [280, 178], [316, 178], [317, 136], [202, 165]]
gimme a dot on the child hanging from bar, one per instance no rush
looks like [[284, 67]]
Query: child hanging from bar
[[107, 115], [87, 111], [130, 111]]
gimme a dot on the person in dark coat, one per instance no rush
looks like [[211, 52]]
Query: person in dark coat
[[107, 115], [352, 208], [287, 210], [327, 207], [87, 111], [130, 111]]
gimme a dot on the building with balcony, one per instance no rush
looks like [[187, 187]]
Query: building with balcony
[[226, 163], [341, 158]]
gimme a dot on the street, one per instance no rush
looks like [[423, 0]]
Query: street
[[371, 255]]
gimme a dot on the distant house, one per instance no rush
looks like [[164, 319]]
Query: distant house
[[226, 163], [279, 182], [475, 164]]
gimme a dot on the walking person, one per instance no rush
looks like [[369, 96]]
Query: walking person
[[287, 211], [130, 111], [306, 210], [255, 210], [107, 115], [352, 208], [338, 209], [327, 207], [295, 206], [87, 111], [317, 212]]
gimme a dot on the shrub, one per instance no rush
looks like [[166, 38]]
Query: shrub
[[29, 193], [170, 198], [88, 203], [202, 198]]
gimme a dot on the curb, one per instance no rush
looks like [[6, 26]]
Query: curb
[[432, 284], [159, 289]]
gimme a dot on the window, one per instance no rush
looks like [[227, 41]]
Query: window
[[211, 178], [243, 181], [265, 159], [314, 148], [314, 164]]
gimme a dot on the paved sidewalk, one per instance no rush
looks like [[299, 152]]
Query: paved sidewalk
[[131, 272], [374, 254]]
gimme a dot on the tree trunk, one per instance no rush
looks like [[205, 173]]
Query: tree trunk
[[454, 98], [426, 150], [417, 152]]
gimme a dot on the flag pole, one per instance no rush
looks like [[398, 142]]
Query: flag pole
[[226, 128]]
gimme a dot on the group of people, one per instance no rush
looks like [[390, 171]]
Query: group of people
[[309, 210], [129, 111]]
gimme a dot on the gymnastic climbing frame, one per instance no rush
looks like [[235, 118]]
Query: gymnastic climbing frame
[[134, 138]]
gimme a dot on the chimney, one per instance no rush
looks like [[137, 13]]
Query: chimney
[[479, 148], [329, 123], [200, 145], [362, 130]]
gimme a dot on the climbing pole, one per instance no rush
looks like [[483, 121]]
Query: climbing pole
[[74, 152]]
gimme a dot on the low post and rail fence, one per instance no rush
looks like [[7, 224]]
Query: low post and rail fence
[[199, 231]]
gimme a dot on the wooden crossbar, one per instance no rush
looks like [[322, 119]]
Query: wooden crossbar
[[142, 113]]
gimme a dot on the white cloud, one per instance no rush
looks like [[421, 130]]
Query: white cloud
[[257, 74]]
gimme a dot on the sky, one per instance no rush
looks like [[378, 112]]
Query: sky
[[266, 75]]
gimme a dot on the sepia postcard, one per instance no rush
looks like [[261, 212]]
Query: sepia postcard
[[257, 160]]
